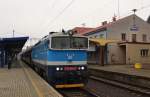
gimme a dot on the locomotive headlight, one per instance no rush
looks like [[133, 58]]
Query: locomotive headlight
[[61, 68], [82, 68], [57, 68]]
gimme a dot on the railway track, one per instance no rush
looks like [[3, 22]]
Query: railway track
[[133, 88], [77, 92]]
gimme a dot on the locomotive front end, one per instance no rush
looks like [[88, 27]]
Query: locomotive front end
[[69, 58]]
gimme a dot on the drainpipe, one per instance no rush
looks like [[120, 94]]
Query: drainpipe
[[102, 48]]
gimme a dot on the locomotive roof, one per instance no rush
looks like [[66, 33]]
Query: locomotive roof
[[62, 34], [54, 34]]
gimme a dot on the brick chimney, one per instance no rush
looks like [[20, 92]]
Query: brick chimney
[[114, 18], [104, 23]]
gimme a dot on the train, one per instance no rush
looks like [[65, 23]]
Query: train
[[60, 58]]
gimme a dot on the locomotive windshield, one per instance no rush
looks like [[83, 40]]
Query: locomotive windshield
[[69, 43]]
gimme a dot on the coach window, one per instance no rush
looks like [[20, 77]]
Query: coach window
[[144, 52]]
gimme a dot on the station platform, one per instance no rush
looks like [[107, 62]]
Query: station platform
[[22, 81], [123, 73]]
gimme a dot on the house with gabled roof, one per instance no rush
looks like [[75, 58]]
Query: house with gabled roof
[[133, 41]]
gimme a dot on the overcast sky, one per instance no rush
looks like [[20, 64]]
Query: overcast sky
[[36, 18]]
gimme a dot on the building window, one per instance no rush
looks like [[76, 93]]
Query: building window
[[144, 52], [133, 37], [101, 36], [144, 37], [123, 37], [95, 36]]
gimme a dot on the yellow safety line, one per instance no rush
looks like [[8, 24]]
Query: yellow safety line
[[69, 85], [34, 85]]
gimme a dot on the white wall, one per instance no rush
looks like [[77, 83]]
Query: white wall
[[101, 34]]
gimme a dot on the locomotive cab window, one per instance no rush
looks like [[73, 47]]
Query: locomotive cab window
[[60, 42], [67, 42], [80, 43]]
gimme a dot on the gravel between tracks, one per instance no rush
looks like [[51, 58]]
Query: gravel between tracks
[[106, 90]]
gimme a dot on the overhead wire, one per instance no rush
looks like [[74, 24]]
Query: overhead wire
[[91, 14], [131, 11], [52, 5], [144, 7], [60, 13], [69, 4], [128, 12]]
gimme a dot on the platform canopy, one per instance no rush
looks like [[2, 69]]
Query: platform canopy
[[13, 43], [9, 48], [102, 42]]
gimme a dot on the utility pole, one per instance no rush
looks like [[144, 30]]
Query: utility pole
[[13, 33], [118, 9]]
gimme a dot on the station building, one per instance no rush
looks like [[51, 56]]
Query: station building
[[131, 43]]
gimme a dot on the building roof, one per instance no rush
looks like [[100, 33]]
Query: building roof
[[80, 30], [13, 43], [104, 27]]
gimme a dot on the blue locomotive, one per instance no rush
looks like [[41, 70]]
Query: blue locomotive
[[61, 59]]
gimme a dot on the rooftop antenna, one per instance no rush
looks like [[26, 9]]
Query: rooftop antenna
[[134, 26], [134, 11], [83, 24]]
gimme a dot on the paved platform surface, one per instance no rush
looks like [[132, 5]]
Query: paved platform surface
[[125, 69], [24, 82]]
